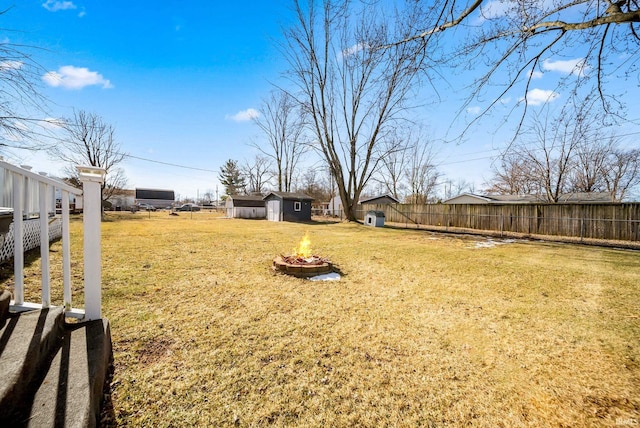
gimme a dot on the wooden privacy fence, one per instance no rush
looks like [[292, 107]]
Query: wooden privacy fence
[[588, 221]]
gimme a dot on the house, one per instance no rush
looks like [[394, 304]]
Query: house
[[335, 205], [155, 197], [320, 208], [381, 199], [285, 206], [245, 206], [122, 200], [566, 198]]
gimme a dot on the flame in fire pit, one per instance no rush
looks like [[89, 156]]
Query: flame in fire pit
[[304, 249], [302, 262]]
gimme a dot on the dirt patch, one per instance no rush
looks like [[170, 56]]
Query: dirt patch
[[155, 349]]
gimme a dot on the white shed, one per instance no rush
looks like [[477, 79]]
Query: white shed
[[245, 206], [374, 218]]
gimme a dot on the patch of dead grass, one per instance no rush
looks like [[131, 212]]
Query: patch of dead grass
[[422, 330]]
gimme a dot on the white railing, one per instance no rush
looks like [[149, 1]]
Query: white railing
[[19, 189]]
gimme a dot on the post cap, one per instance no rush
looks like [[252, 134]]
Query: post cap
[[91, 173]]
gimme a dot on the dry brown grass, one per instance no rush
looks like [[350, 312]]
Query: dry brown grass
[[422, 330]]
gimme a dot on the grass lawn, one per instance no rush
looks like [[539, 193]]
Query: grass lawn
[[423, 329]]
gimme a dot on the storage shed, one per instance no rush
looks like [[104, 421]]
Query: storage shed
[[245, 206], [374, 218], [285, 206]]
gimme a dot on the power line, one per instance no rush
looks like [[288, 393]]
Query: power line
[[500, 149], [171, 164]]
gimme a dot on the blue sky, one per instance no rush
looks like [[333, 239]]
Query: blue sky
[[174, 80], [178, 81]]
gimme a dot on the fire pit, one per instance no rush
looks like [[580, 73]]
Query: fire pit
[[302, 263]]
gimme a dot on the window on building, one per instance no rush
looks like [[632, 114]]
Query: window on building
[[297, 206]]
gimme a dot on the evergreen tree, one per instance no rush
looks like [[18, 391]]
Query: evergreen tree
[[231, 178]]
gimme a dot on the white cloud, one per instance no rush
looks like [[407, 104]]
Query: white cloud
[[535, 74], [244, 115], [474, 110], [493, 9], [577, 66], [537, 97], [52, 123], [10, 65], [353, 49], [70, 77], [56, 5]]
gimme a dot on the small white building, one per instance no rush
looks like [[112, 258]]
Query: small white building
[[245, 206], [374, 218]]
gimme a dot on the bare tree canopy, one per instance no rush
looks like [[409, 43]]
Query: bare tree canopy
[[353, 91], [90, 141], [567, 152], [21, 102], [280, 121], [259, 173], [510, 43], [408, 169], [422, 174]]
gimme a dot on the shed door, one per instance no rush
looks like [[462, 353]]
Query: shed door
[[273, 210]]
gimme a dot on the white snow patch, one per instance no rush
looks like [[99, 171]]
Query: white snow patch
[[333, 276], [491, 243]]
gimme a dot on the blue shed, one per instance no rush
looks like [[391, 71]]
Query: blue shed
[[286, 206]]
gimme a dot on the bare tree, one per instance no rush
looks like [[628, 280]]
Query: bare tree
[[590, 164], [393, 164], [564, 153], [90, 141], [461, 186], [21, 101], [550, 152], [597, 42], [280, 120], [513, 177], [421, 174], [353, 90], [258, 173], [313, 184], [622, 172]]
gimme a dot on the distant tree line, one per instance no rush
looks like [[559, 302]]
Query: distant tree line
[[564, 153]]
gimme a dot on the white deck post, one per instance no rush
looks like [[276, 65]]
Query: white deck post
[[44, 245], [18, 238], [92, 179], [66, 251]]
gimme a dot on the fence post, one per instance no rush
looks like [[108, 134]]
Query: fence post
[[18, 238], [44, 244], [92, 179]]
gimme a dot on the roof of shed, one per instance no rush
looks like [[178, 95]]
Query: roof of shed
[[290, 196], [247, 201], [373, 198]]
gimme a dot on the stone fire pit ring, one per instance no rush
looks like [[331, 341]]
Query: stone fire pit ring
[[302, 270]]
